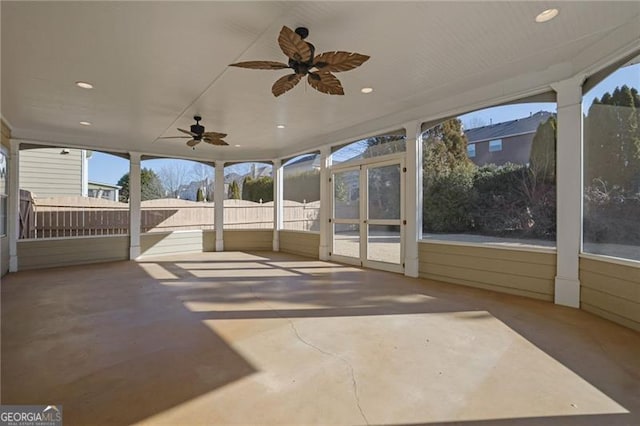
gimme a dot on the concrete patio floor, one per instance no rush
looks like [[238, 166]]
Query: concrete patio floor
[[271, 338]]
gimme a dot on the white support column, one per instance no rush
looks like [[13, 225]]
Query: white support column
[[413, 199], [325, 203], [277, 203], [14, 205], [218, 198], [569, 190], [84, 164], [135, 198]]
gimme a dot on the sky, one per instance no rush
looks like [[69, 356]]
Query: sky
[[105, 168]]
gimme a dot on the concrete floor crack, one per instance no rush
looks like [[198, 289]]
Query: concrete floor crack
[[345, 361]]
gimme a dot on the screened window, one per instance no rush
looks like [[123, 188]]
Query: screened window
[[375, 146], [70, 192], [495, 145], [611, 166], [301, 193], [177, 195], [249, 196], [472, 195]]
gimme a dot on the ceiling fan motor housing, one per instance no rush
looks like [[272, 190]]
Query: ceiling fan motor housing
[[197, 128]]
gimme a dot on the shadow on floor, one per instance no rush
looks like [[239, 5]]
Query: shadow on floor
[[101, 337]]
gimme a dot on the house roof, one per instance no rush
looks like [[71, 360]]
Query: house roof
[[519, 126], [96, 185]]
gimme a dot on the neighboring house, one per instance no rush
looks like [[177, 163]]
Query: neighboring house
[[190, 190], [302, 164], [105, 191], [54, 172], [508, 142], [256, 171]]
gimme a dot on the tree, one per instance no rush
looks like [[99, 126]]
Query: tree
[[384, 145], [257, 190], [150, 185], [173, 176], [445, 148], [204, 175], [542, 159], [234, 191], [447, 178], [612, 139]]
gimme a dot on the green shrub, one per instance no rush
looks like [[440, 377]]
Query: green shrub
[[258, 189], [447, 201]]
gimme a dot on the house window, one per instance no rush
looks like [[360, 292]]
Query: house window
[[495, 145], [471, 150]]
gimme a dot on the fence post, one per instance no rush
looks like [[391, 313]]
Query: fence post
[[135, 197]]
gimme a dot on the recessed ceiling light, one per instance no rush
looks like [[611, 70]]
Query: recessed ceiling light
[[366, 89], [237, 146], [85, 123], [547, 15], [84, 84], [280, 126]]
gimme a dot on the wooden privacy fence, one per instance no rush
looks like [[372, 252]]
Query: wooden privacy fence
[[81, 216]]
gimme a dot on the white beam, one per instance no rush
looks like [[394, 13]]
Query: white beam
[[218, 199], [14, 204], [135, 198], [325, 203], [569, 191], [412, 199], [277, 203]]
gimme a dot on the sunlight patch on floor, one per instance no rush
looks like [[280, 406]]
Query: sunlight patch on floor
[[419, 368], [242, 273], [223, 265]]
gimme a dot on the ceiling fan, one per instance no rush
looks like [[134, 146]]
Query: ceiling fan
[[303, 62], [197, 135]]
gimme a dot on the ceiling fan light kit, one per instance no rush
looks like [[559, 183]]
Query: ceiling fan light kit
[[302, 60]]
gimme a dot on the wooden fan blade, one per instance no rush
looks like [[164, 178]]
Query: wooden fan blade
[[193, 142], [293, 45], [285, 84], [214, 135], [218, 142], [325, 82], [339, 61], [260, 65], [175, 137], [193, 135]]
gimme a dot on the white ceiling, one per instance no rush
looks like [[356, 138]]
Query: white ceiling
[[155, 64]]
